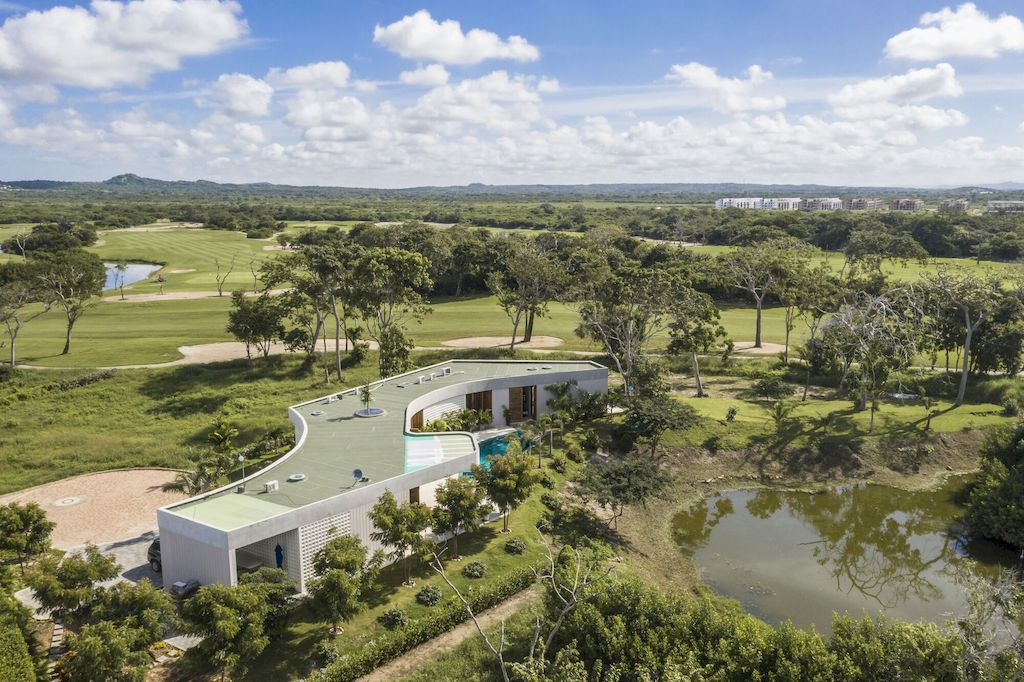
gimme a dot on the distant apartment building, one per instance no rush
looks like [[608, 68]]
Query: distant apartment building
[[863, 204], [954, 205], [759, 203], [1006, 207], [823, 204], [910, 205]]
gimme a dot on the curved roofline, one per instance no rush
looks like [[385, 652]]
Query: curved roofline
[[303, 427]]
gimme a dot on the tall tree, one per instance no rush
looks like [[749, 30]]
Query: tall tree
[[649, 419], [695, 328], [971, 298], [343, 575], [508, 481], [21, 300], [256, 321], [307, 300], [760, 271], [623, 310], [73, 280], [524, 284], [460, 507], [400, 527], [388, 287]]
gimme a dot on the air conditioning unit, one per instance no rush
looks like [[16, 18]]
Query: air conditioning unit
[[270, 486], [447, 371], [421, 380]]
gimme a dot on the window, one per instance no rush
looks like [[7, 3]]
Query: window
[[478, 401]]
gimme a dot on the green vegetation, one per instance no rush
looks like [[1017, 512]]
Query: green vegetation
[[995, 504]]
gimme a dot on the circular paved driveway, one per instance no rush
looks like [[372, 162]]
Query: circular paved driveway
[[100, 508]]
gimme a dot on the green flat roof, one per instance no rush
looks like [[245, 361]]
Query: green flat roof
[[338, 442]]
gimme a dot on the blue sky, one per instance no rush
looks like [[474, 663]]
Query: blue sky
[[399, 94]]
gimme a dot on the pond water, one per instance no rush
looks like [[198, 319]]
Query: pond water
[[133, 272], [864, 548]]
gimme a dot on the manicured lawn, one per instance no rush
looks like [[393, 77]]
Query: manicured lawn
[[193, 250], [911, 271]]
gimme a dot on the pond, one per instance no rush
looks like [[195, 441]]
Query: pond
[[133, 272], [856, 549]]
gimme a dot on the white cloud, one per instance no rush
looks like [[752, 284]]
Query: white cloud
[[915, 85], [430, 75], [548, 85], [420, 36], [240, 94], [310, 109], [113, 43], [963, 32], [733, 94], [499, 102], [909, 116], [364, 86], [318, 75]]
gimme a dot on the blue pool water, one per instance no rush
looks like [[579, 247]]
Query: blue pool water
[[497, 446]]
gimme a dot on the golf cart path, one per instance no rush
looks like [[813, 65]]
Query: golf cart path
[[411, 661]]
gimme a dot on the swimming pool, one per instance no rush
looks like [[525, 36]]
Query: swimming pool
[[497, 446]]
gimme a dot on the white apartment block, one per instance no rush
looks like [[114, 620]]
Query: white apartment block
[[823, 204], [1006, 207], [760, 203]]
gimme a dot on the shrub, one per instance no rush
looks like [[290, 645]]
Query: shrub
[[325, 652], [392, 644], [549, 500], [393, 618], [558, 463], [546, 481], [731, 413], [474, 569], [429, 595], [515, 546], [259, 233], [591, 439], [772, 387], [575, 453]]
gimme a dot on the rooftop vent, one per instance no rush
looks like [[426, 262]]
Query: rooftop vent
[[447, 371], [295, 478], [270, 486]]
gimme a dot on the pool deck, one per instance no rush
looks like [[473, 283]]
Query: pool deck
[[332, 442]]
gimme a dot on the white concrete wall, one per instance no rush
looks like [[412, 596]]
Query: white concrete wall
[[187, 558], [438, 409]]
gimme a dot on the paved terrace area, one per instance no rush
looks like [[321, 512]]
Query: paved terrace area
[[338, 442]]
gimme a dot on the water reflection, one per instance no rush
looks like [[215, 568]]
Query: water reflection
[[132, 272], [863, 548]]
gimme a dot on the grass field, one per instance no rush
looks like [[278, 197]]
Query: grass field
[[188, 255], [148, 332], [911, 271]]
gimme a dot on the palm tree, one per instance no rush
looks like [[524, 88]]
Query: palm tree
[[194, 482]]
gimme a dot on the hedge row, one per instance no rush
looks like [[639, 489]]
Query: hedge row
[[15, 660], [395, 643]]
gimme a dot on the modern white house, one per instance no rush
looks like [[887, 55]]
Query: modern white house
[[760, 203], [342, 463]]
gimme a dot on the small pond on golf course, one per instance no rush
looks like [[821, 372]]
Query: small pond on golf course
[[855, 549], [133, 272]]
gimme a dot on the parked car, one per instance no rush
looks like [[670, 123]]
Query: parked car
[[153, 556], [183, 589]]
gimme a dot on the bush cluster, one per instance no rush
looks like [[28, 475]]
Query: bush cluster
[[474, 569], [393, 618], [558, 463], [429, 595], [515, 546], [391, 644]]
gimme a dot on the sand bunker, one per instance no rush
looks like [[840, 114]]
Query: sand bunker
[[496, 341], [747, 348]]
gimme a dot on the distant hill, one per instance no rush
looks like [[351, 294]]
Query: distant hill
[[136, 185]]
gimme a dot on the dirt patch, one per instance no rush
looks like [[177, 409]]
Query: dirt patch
[[410, 662], [496, 341], [275, 247], [747, 347], [178, 295], [101, 507]]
